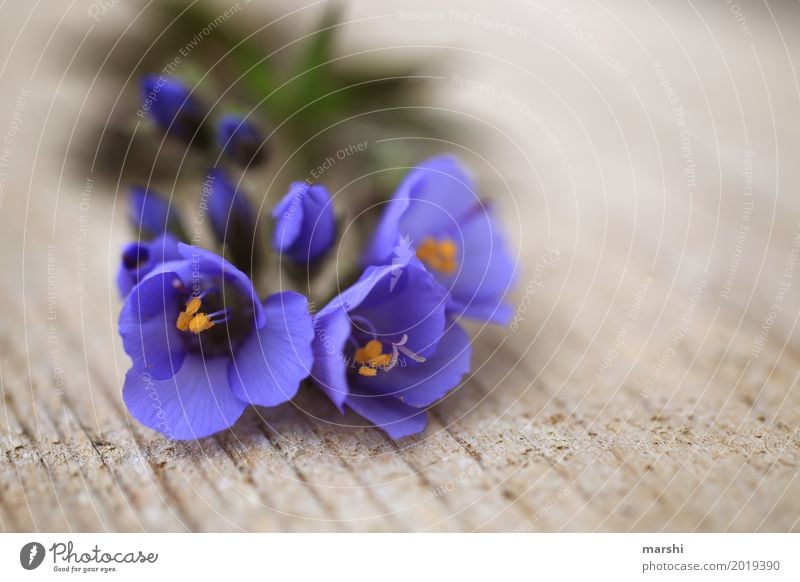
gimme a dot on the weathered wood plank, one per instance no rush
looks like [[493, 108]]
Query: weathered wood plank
[[650, 382]]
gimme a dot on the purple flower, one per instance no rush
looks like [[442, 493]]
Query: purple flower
[[240, 140], [141, 257], [173, 108], [385, 347], [305, 226], [204, 347], [233, 218], [437, 212], [151, 214]]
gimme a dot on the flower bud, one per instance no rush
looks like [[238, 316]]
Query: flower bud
[[141, 257], [240, 140], [233, 219], [151, 214], [174, 109], [305, 227]]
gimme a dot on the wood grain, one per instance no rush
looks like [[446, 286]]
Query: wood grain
[[650, 382]]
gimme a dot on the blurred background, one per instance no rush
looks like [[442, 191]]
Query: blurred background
[[641, 157]]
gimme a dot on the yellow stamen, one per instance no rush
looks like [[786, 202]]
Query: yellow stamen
[[191, 320], [447, 248], [371, 358], [193, 305], [439, 255], [183, 321], [200, 322], [373, 349]]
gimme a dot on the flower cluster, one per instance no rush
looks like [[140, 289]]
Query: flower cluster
[[204, 345]]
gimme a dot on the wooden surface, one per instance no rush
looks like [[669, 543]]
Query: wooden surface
[[651, 381]]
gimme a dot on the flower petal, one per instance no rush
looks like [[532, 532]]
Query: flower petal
[[233, 218], [305, 226], [354, 295], [151, 214], [195, 403], [269, 365], [331, 332], [230, 211], [487, 271], [407, 301], [147, 326], [240, 139], [442, 196], [433, 196], [319, 225], [288, 215], [395, 418], [422, 385], [173, 107]]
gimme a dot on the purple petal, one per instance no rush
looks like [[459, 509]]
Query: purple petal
[[232, 215], [441, 197], [354, 295], [195, 403], [331, 332], [422, 385], [395, 418], [407, 301], [240, 139], [486, 272], [288, 214], [151, 214], [305, 226], [432, 197], [268, 367], [319, 225], [147, 326], [489, 309], [172, 106]]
